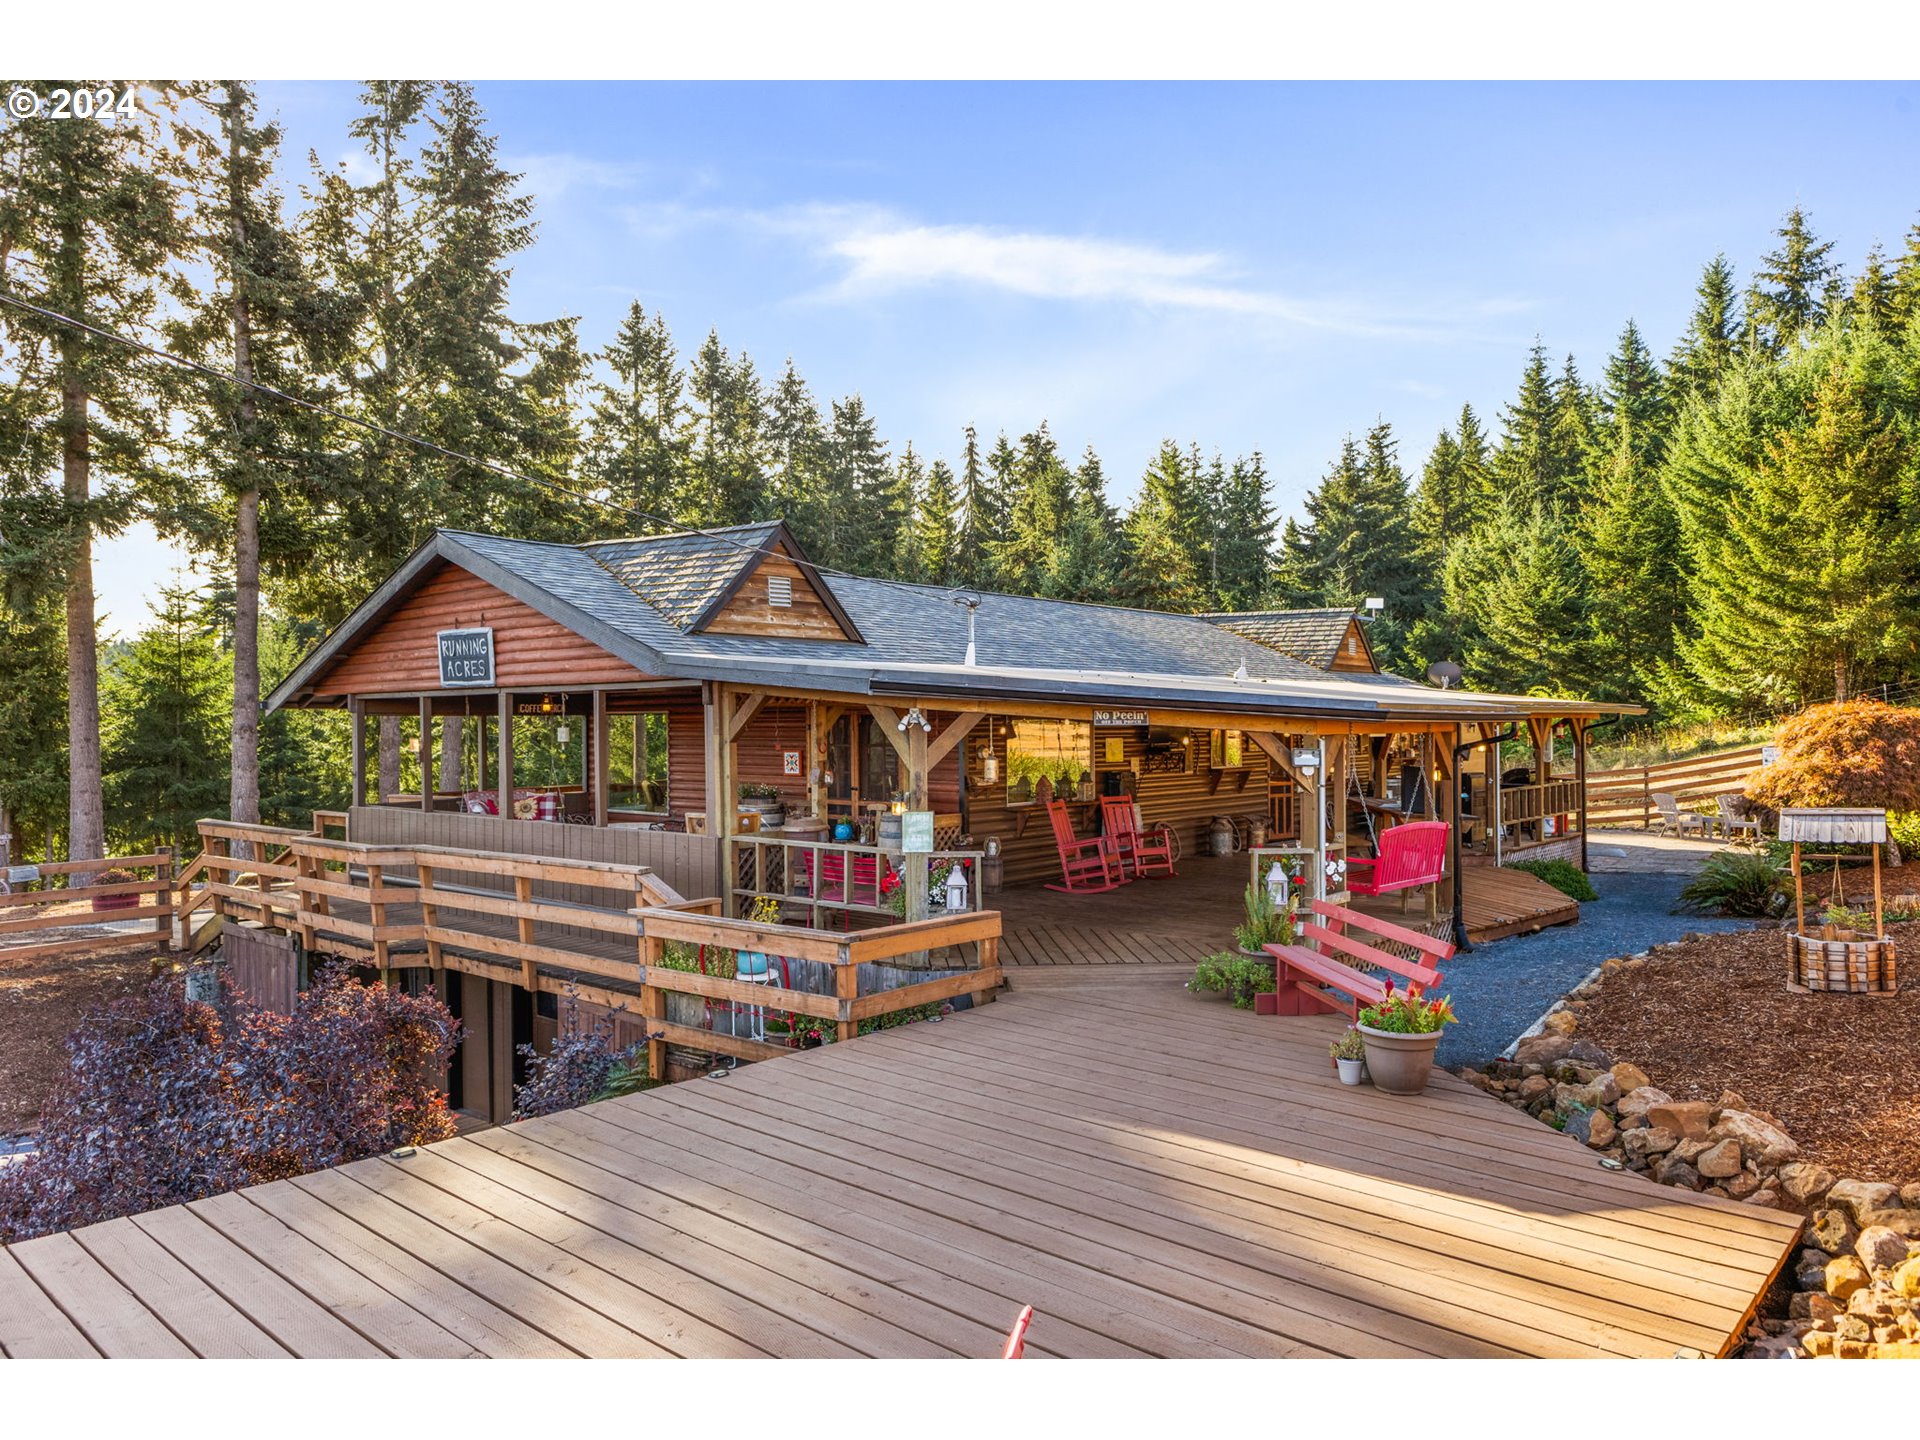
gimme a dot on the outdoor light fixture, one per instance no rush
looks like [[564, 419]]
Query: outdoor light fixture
[[1306, 759], [914, 717]]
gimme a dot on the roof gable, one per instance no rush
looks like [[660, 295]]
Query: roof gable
[[1327, 639]]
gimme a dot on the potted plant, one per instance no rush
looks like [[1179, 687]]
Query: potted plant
[[1238, 977], [1265, 923], [765, 800], [1350, 1056], [1401, 1033], [114, 902]]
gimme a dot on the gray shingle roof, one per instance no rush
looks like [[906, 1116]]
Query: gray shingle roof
[[912, 635], [1313, 636], [681, 576]]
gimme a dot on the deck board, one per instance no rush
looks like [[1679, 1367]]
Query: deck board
[[1156, 1173]]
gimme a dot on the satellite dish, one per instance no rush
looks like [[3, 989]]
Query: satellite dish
[[1443, 673]]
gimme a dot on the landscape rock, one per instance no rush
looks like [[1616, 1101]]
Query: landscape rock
[[1812, 1305], [1904, 1223], [1645, 1144], [1629, 1077], [1720, 1161], [1551, 1049], [1692, 1150], [1906, 1278], [1731, 1100], [1579, 1124], [1765, 1199], [1534, 1086], [1910, 1195], [1833, 1231], [1641, 1099], [1880, 1247], [1740, 1186], [1561, 1022], [1601, 1130], [1845, 1275], [1810, 1270], [1766, 1143], [1675, 1171], [1806, 1184], [1860, 1198], [1688, 1119], [1593, 1095]]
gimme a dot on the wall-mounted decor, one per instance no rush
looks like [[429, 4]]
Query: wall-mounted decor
[[466, 657]]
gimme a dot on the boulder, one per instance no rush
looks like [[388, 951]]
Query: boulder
[[1592, 1095], [1806, 1184], [1692, 1150], [1731, 1100], [1642, 1099], [1811, 1274], [1910, 1195], [1819, 1344], [1833, 1231], [1720, 1160], [1905, 1279], [1579, 1124], [1904, 1223], [1560, 1022], [1534, 1086], [1688, 1119], [1765, 1199], [1674, 1171], [1880, 1247], [1646, 1143], [1550, 1049], [1860, 1198], [1767, 1144], [1601, 1130], [1845, 1275], [1740, 1186], [1629, 1077], [1812, 1305]]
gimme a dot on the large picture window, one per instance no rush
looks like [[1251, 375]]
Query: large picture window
[[1060, 751]]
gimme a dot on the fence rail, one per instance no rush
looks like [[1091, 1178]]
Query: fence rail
[[25, 910], [1625, 796]]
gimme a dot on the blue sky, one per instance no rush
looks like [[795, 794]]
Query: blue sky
[[1252, 266]]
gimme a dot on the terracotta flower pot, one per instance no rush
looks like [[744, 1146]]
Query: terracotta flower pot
[[1399, 1064]]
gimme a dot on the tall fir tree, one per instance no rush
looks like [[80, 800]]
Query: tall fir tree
[[1711, 345], [982, 516], [1904, 302], [900, 500], [724, 475], [868, 534], [1039, 491], [635, 445], [796, 459], [1871, 300], [1086, 564], [1159, 572], [936, 530], [1526, 465], [1790, 291], [89, 228], [1633, 411], [1243, 547], [1516, 589]]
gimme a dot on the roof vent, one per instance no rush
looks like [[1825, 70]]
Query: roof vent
[[780, 591]]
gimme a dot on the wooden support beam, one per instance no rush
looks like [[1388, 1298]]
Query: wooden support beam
[[961, 726], [889, 722], [597, 753], [358, 711], [426, 753], [503, 764], [742, 717]]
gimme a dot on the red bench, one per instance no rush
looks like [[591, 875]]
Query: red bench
[[1311, 982]]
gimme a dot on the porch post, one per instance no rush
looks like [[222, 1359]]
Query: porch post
[[1580, 778], [916, 866], [504, 761], [356, 710], [426, 753], [597, 755]]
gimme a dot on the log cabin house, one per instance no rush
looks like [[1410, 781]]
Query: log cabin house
[[608, 701]]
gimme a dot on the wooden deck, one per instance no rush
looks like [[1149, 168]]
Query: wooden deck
[[1157, 1174], [1181, 919]]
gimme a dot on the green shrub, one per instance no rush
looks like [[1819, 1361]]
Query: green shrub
[[1737, 882], [1239, 976], [1563, 875], [1903, 829], [1264, 925]]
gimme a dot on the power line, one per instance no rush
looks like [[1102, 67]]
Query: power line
[[493, 466]]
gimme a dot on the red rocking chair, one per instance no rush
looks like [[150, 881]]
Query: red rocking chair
[[1086, 865], [1136, 851], [1410, 856]]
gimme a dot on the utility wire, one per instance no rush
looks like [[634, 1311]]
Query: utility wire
[[493, 466]]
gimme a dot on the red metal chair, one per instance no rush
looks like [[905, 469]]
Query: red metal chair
[[1017, 1337], [1087, 865], [1141, 851], [1410, 856]]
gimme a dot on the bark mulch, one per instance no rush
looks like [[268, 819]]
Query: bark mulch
[[41, 1001], [1713, 1013]]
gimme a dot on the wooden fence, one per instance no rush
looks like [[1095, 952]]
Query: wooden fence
[[1625, 796], [27, 910]]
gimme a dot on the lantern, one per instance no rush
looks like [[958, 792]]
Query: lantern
[[956, 889]]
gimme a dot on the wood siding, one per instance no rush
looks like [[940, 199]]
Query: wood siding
[[749, 613], [1353, 657], [400, 654]]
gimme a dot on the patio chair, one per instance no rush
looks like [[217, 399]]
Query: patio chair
[[1087, 865], [1411, 855], [1135, 849], [1675, 821], [1735, 821]]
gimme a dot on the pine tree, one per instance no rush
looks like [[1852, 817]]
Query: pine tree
[[868, 534], [796, 445], [1159, 573], [898, 513], [1630, 551], [1633, 410], [635, 449], [1707, 352], [1039, 498], [1086, 564], [1904, 302], [982, 516], [724, 475], [1514, 586], [241, 492], [1244, 537], [33, 729], [1872, 299], [1456, 488], [1572, 436], [1803, 580], [88, 226], [1790, 294], [1524, 467], [164, 751], [936, 528]]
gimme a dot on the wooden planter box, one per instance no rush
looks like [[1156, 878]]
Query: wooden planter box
[[1853, 966]]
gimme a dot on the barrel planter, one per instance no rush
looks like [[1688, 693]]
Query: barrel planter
[[1844, 964], [1399, 1063]]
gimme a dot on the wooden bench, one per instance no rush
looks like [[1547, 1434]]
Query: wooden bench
[[1311, 982]]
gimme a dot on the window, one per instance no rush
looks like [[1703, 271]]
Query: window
[[1059, 750]]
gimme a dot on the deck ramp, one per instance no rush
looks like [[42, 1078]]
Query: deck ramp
[[1156, 1173]]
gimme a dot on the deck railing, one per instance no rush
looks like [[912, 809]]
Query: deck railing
[[831, 876], [499, 915], [27, 910]]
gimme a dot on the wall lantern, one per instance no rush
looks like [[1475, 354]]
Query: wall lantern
[[1308, 760]]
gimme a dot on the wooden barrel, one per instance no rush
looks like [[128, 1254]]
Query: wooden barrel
[[1857, 967]]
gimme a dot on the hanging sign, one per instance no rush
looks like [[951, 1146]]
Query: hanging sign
[[466, 657], [1119, 717], [916, 832]]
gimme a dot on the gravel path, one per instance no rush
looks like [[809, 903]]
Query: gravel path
[[1502, 988]]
